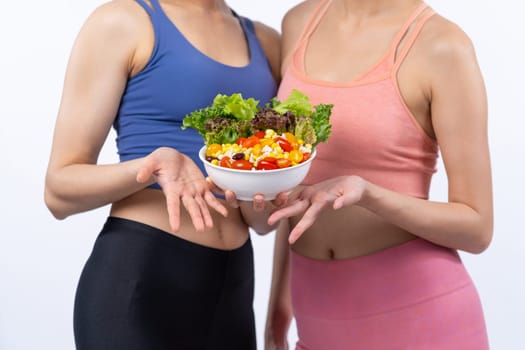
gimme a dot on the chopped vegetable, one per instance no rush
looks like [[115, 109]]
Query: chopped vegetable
[[240, 135]]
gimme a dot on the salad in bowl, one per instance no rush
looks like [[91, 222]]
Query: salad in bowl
[[250, 149]]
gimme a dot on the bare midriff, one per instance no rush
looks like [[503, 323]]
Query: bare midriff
[[348, 232], [149, 207]]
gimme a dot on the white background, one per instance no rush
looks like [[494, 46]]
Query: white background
[[41, 258]]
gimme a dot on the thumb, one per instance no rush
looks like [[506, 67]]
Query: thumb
[[145, 171]]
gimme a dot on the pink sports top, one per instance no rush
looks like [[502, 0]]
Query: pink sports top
[[374, 134]]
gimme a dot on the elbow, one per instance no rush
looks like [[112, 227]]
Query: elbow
[[262, 230], [53, 204], [481, 243], [481, 239], [53, 207]]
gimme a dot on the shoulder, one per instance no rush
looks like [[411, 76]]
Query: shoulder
[[270, 41], [297, 16], [118, 19], [445, 44], [267, 35]]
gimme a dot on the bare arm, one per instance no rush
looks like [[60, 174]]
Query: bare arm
[[459, 118], [102, 60], [95, 79], [279, 313]]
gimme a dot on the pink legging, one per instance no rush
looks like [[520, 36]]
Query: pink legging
[[416, 295]]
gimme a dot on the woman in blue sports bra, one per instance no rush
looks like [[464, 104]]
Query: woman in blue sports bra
[[172, 267]]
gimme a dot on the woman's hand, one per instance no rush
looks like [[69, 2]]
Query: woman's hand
[[256, 212], [258, 200], [181, 180], [339, 191], [271, 344]]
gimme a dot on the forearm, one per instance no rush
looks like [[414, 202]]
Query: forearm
[[453, 224], [81, 187], [279, 313]]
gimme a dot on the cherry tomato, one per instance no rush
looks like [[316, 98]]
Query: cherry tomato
[[240, 140], [270, 160], [292, 139], [283, 163], [284, 144], [225, 162], [212, 149], [265, 165], [260, 134], [242, 164], [295, 156], [250, 142]]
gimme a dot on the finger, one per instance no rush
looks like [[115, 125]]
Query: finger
[[231, 199], [339, 202], [173, 205], [281, 199], [145, 172], [258, 202], [215, 204], [208, 221], [213, 187], [195, 212], [306, 221], [292, 209]]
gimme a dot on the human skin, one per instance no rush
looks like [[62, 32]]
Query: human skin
[[114, 44], [348, 216]]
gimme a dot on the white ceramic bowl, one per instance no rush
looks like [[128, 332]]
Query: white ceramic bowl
[[246, 183]]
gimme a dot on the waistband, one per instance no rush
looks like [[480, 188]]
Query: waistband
[[115, 226], [373, 284]]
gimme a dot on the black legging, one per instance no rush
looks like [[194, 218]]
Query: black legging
[[143, 288]]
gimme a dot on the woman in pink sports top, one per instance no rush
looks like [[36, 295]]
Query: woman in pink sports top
[[372, 262]]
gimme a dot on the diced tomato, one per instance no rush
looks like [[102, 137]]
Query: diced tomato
[[250, 142], [283, 163], [270, 160], [284, 144], [260, 134], [242, 164], [240, 140], [265, 165], [306, 156], [225, 162]]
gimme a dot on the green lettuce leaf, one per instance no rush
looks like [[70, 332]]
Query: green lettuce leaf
[[297, 103]]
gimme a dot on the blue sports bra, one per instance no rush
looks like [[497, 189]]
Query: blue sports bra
[[177, 80]]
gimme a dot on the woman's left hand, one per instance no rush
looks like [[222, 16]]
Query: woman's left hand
[[340, 191], [258, 200]]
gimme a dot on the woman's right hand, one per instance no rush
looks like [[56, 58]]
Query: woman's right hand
[[271, 343], [181, 180]]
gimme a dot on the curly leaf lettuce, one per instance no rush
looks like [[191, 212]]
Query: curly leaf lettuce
[[231, 117], [233, 108], [297, 103]]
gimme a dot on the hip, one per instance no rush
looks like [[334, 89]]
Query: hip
[[142, 285], [415, 295]]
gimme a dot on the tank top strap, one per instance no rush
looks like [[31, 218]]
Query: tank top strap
[[149, 9], [411, 38], [256, 51], [401, 34], [311, 24], [314, 19]]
